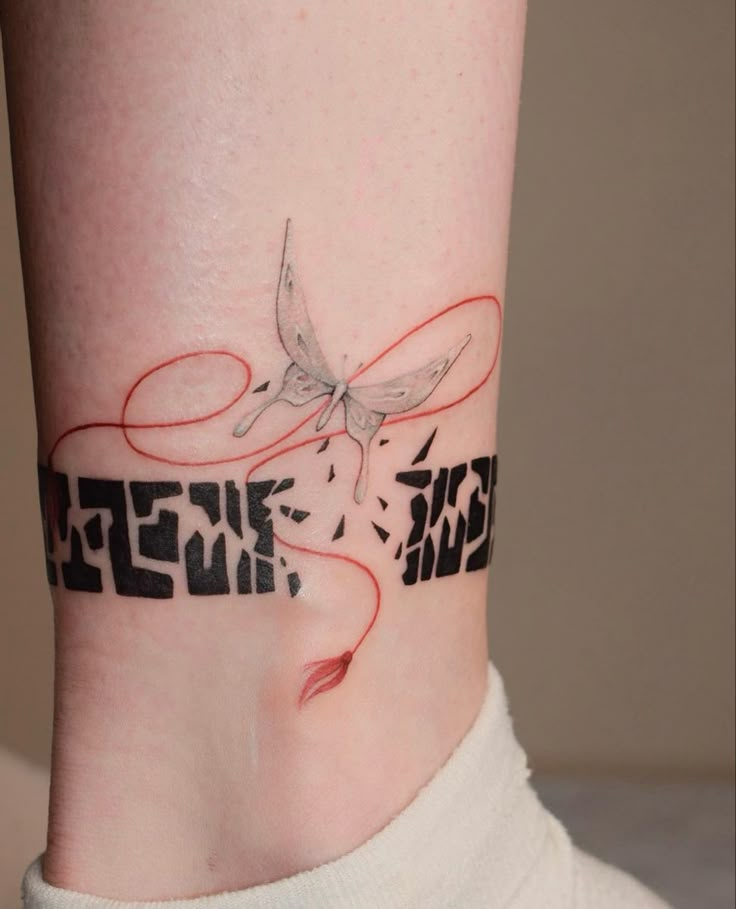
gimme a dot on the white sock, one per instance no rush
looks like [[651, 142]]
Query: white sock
[[476, 837]]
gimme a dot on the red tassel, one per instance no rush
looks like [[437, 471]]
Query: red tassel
[[324, 675]]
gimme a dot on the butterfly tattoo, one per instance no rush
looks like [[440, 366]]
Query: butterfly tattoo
[[309, 375]]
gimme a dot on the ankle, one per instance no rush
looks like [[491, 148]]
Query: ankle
[[183, 765]]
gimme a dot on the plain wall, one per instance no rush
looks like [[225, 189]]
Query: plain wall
[[612, 587]]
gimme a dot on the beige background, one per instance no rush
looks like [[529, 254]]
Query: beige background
[[612, 590]]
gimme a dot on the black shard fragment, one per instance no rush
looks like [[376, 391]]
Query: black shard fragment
[[339, 530], [424, 450], [381, 531], [288, 483], [419, 479]]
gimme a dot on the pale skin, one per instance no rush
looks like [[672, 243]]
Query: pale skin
[[159, 150]]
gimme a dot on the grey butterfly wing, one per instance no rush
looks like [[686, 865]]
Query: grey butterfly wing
[[361, 424], [297, 388], [294, 325], [308, 376], [367, 405], [410, 390]]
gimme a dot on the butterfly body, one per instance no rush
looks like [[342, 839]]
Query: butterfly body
[[309, 375], [338, 394]]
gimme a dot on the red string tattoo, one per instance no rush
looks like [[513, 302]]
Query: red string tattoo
[[320, 675]]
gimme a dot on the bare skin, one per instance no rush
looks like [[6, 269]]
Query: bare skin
[[158, 153]]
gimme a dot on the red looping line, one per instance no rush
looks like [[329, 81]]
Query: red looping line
[[126, 427]]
